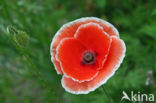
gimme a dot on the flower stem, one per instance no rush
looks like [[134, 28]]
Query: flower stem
[[107, 95], [22, 50]]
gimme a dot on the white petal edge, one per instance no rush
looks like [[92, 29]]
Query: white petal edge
[[88, 24], [55, 67]]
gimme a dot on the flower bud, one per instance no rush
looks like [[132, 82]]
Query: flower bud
[[18, 36]]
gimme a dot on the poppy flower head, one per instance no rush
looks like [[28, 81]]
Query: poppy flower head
[[87, 52]]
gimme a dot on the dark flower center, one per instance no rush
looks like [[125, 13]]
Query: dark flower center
[[88, 58]]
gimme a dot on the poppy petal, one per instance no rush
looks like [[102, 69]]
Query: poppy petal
[[69, 54], [115, 57], [107, 27], [57, 65], [92, 36], [69, 29]]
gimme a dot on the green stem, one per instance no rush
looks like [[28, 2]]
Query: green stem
[[29, 61], [34, 68], [107, 95]]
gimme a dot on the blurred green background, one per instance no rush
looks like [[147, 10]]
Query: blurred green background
[[28, 76]]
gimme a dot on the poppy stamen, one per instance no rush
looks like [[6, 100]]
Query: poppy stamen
[[88, 58]]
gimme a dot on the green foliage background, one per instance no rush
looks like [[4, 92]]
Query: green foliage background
[[29, 76]]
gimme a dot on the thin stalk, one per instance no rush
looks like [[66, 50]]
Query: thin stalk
[[107, 95], [29, 61]]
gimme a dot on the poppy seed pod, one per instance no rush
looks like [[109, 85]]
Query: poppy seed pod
[[87, 52]]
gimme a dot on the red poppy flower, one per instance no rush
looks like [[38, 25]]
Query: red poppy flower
[[87, 52]]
